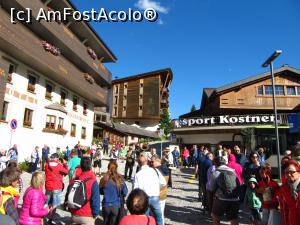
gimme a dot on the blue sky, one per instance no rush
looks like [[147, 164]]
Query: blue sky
[[207, 43]]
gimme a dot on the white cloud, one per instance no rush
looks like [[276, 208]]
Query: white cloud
[[145, 4], [160, 22]]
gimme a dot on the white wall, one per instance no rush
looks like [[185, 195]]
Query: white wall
[[26, 138], [207, 138]]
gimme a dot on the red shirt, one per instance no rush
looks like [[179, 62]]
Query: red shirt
[[137, 220], [54, 175]]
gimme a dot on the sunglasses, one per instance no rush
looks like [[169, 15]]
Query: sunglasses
[[290, 172]]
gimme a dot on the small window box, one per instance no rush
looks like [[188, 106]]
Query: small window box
[[31, 88], [48, 95], [27, 124], [72, 134], [59, 131]]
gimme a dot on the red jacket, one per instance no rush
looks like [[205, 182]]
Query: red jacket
[[54, 175], [87, 209], [185, 153], [289, 207], [273, 191]]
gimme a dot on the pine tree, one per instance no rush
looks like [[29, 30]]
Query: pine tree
[[193, 108], [165, 122]]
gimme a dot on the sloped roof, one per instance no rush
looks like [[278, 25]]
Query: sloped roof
[[127, 129], [124, 128], [142, 75], [56, 106], [256, 78]]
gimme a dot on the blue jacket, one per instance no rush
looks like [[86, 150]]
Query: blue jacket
[[204, 168], [95, 200], [112, 195]]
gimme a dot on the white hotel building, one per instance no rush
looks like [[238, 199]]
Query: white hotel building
[[51, 78]]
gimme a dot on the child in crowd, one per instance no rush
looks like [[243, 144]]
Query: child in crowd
[[267, 188], [33, 209], [253, 202], [13, 164], [9, 179]]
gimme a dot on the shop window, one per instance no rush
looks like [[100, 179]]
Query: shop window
[[291, 90], [3, 114], [28, 117], [260, 90], [279, 90], [60, 123], [50, 121], [73, 130], [298, 90], [32, 80], [268, 90], [75, 103], [63, 97], [83, 133], [49, 89]]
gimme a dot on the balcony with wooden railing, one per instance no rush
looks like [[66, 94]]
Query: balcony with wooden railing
[[61, 36], [26, 47]]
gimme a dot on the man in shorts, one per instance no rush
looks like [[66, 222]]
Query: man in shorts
[[98, 155]]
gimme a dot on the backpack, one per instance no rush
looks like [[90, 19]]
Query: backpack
[[229, 184], [77, 194]]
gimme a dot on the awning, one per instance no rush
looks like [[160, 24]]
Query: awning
[[56, 106]]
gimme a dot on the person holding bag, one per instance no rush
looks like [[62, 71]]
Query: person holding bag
[[114, 189]]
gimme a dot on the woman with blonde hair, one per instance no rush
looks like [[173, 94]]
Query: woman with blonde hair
[[33, 210], [114, 189]]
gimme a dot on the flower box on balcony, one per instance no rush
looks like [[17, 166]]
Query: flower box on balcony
[[31, 88], [92, 53], [89, 78], [2, 119], [62, 131], [48, 95], [75, 108], [51, 48]]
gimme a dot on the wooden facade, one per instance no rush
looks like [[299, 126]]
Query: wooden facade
[[255, 95], [141, 97], [24, 43]]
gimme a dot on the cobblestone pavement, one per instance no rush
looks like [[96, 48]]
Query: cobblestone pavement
[[182, 206]]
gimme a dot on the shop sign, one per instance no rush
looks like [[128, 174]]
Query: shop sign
[[226, 120]]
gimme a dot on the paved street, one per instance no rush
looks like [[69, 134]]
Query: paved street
[[182, 205]]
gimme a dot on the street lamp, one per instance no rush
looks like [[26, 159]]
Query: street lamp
[[269, 62]]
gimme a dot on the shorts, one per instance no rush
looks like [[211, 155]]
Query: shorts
[[230, 208], [255, 215], [97, 163], [54, 197]]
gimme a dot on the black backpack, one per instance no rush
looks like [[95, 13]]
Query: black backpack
[[229, 184], [76, 196]]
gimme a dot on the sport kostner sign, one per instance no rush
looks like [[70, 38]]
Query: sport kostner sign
[[227, 120]]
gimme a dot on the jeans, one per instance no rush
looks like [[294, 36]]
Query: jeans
[[155, 208], [54, 197]]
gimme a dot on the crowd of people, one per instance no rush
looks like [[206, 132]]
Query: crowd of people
[[228, 180]]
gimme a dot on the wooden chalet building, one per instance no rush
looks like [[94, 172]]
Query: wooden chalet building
[[51, 78], [142, 98], [242, 113]]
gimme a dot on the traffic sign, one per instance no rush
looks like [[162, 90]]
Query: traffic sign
[[13, 124]]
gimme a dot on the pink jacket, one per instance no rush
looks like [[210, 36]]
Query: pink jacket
[[238, 169], [33, 209]]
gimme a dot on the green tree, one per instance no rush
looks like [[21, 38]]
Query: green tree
[[165, 122], [193, 108]]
